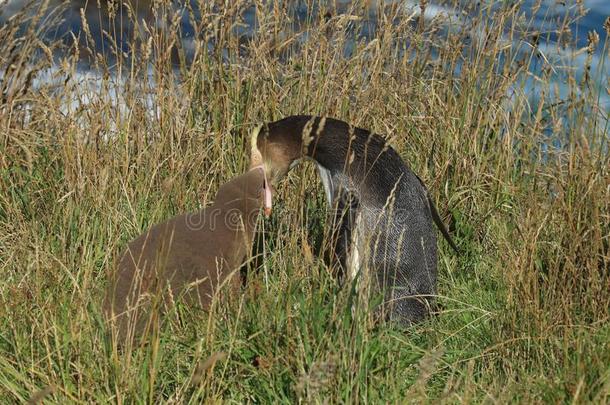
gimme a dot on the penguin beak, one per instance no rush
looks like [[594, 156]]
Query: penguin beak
[[267, 190], [267, 202]]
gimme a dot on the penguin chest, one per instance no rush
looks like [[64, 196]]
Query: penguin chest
[[354, 252], [340, 196], [327, 182]]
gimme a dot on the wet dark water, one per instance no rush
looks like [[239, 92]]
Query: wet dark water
[[68, 23]]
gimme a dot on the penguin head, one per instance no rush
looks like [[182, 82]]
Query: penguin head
[[275, 150]]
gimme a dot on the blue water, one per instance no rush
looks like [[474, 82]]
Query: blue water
[[543, 20]]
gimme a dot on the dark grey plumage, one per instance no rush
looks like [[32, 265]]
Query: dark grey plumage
[[383, 217]]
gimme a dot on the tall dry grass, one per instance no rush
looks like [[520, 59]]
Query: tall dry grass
[[87, 164]]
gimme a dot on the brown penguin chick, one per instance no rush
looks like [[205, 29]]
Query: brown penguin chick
[[192, 255]]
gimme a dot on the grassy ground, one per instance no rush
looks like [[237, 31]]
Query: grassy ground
[[524, 186]]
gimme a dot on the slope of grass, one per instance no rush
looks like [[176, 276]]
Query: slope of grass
[[524, 308]]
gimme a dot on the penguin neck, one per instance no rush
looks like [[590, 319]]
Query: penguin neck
[[329, 152], [241, 194], [360, 164], [341, 162]]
